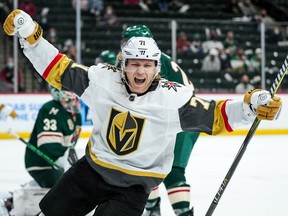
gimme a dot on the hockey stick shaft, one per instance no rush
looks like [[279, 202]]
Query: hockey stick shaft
[[276, 84], [37, 151]]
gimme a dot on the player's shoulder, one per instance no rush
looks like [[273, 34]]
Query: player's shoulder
[[51, 106], [102, 67], [171, 86], [165, 57], [173, 93], [103, 70]]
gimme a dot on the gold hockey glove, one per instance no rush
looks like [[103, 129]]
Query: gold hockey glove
[[259, 103], [21, 24]]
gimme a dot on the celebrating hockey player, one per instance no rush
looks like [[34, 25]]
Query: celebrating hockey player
[[136, 116], [177, 188]]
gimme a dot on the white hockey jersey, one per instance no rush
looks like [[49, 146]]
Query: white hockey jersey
[[133, 136]]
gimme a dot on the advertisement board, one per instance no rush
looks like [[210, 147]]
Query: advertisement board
[[27, 106]]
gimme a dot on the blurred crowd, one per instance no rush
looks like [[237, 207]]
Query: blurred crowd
[[219, 51]]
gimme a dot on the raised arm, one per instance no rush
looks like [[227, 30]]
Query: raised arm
[[56, 68]]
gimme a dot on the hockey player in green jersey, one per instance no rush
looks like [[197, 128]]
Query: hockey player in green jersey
[[55, 133], [177, 188], [136, 115], [106, 56]]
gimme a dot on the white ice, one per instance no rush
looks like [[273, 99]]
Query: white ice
[[259, 186]]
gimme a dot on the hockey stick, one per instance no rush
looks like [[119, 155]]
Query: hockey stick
[[278, 80], [37, 151]]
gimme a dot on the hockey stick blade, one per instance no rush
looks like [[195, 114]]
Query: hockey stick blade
[[72, 156], [274, 88], [37, 151]]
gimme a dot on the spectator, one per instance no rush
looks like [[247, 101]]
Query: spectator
[[84, 4], [109, 18], [196, 44], [255, 62], [29, 7], [239, 61], [244, 85], [276, 35], [247, 8], [226, 67], [211, 62], [232, 6], [96, 7], [53, 38], [183, 45], [7, 75], [147, 5], [212, 40], [3, 86], [179, 5], [69, 49], [44, 19], [4, 10], [230, 44], [262, 16], [225, 61], [163, 5]]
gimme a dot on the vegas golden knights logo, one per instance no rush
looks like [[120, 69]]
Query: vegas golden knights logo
[[124, 132]]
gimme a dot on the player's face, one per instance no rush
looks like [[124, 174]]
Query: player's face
[[140, 74]]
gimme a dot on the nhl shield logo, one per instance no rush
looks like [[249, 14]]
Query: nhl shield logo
[[124, 132]]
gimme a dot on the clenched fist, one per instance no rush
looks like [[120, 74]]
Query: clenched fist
[[259, 103], [21, 24]]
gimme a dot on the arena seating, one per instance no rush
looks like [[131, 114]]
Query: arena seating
[[201, 15]]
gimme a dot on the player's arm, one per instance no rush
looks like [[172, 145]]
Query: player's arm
[[215, 117], [56, 68]]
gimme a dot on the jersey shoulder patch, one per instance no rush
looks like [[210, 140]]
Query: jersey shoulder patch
[[110, 67], [170, 85]]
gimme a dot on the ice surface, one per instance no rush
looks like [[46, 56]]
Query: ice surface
[[259, 185]]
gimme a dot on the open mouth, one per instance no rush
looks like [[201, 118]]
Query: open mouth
[[139, 81]]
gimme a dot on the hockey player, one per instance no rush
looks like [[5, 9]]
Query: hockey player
[[136, 116], [6, 111], [55, 133], [177, 188], [106, 56]]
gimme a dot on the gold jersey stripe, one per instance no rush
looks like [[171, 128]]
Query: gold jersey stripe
[[56, 71], [220, 124], [127, 171]]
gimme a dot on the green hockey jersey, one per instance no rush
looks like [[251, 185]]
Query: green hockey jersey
[[54, 131]]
